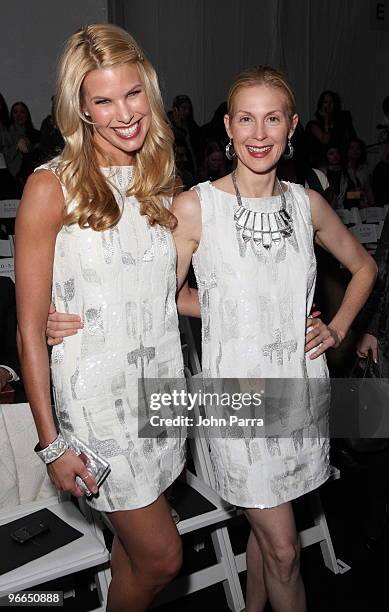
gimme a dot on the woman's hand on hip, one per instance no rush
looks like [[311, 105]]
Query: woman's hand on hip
[[320, 335], [60, 325]]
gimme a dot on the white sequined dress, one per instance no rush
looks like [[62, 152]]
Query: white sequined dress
[[122, 282], [254, 305]]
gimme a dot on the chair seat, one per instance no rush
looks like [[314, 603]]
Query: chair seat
[[85, 552]]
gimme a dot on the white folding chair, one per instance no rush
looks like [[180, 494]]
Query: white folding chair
[[7, 247], [7, 267], [8, 209], [89, 551]]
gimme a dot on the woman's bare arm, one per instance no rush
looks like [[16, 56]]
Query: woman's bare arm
[[335, 238], [188, 301], [38, 222], [186, 208]]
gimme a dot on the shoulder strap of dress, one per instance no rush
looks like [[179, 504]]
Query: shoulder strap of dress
[[201, 189], [51, 165], [301, 197]]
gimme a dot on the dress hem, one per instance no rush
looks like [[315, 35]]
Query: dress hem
[[286, 500], [97, 507]]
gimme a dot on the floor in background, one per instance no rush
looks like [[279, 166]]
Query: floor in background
[[350, 504]]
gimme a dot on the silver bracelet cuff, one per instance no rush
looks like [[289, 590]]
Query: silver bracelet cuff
[[53, 451]]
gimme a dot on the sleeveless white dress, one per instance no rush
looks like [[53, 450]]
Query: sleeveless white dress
[[122, 282], [254, 305]]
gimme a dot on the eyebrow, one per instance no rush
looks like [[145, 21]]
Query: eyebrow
[[277, 110], [107, 97]]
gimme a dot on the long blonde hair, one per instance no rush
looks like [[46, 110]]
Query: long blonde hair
[[102, 46], [262, 75]]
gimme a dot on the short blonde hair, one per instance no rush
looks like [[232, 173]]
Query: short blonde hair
[[102, 46], [262, 75]]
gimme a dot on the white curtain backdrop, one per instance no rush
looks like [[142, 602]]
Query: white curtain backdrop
[[198, 46]]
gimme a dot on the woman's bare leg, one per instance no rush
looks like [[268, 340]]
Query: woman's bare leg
[[146, 556], [275, 531], [256, 594]]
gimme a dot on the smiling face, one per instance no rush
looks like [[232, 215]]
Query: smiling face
[[260, 126], [118, 106]]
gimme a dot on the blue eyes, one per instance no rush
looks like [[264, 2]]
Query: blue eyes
[[131, 94], [272, 119]]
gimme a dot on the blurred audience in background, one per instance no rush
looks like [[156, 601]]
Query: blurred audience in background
[[359, 192], [187, 131], [334, 169], [331, 125], [8, 186], [215, 164], [51, 141], [25, 140]]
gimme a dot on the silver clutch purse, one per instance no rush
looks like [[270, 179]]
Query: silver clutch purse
[[96, 465]]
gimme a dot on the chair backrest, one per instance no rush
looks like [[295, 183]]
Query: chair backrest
[[8, 209], [7, 267], [6, 247]]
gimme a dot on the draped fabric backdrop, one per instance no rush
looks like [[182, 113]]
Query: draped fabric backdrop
[[198, 46]]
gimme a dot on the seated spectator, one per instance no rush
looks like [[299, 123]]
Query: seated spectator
[[182, 165], [359, 192], [336, 175], [295, 166], [51, 141], [8, 188], [214, 131], [25, 138], [9, 362], [331, 125], [186, 130], [380, 179], [214, 165]]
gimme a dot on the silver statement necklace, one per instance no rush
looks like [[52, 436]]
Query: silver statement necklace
[[262, 228]]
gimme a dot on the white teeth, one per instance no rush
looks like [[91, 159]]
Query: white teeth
[[259, 149], [127, 131]]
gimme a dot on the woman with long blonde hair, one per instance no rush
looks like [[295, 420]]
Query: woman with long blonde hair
[[94, 232]]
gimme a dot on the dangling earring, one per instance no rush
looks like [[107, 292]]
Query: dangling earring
[[289, 155], [87, 115], [230, 153]]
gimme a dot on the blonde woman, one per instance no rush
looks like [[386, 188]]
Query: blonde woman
[[251, 238], [94, 231]]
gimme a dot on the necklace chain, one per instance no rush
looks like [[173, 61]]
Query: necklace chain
[[262, 228]]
